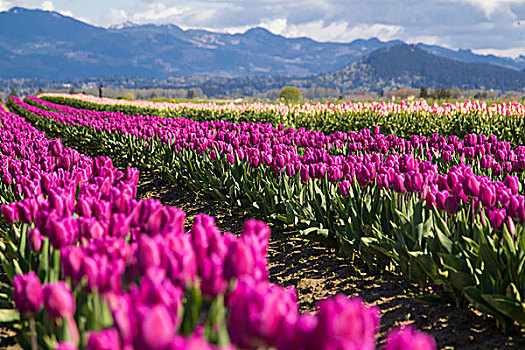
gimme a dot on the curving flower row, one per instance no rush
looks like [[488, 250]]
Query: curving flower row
[[391, 162]]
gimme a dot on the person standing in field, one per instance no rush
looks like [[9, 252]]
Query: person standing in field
[[101, 91]]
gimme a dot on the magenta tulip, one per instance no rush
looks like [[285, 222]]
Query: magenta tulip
[[58, 300], [407, 338], [107, 339], [28, 294]]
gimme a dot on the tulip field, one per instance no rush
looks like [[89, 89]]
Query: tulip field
[[433, 192]]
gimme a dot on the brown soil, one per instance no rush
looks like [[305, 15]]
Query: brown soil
[[318, 272]]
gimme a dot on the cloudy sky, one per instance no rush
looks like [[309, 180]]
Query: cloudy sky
[[485, 26]]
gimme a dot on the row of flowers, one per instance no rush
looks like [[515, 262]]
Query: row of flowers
[[93, 267], [382, 108], [486, 154], [505, 120]]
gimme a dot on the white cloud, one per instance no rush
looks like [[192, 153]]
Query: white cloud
[[276, 26], [489, 7], [512, 52], [383, 32], [115, 16], [47, 6], [156, 12], [339, 31], [7, 4], [430, 40]]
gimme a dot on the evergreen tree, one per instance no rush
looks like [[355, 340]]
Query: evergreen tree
[[423, 93]]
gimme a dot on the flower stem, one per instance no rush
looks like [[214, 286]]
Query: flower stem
[[32, 326]]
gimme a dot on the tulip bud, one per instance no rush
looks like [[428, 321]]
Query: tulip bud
[[446, 156], [496, 168], [10, 212], [511, 226], [92, 228], [451, 205], [399, 183], [56, 147], [442, 182], [296, 335], [430, 200], [35, 240], [305, 176], [344, 323], [63, 232], [132, 175], [512, 183], [71, 261], [497, 218], [107, 339], [65, 162], [486, 161], [240, 154], [471, 186], [382, 181], [452, 180], [239, 261], [65, 345], [58, 300], [119, 225], [507, 167], [500, 155], [149, 254], [102, 210], [56, 202], [7, 179], [411, 164], [83, 208], [487, 196], [91, 269], [254, 161], [441, 198], [513, 207], [27, 293], [363, 177], [156, 328], [344, 187], [24, 211], [407, 338], [259, 312], [417, 182]]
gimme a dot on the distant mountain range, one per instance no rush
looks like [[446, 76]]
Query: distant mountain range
[[410, 66], [48, 45]]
